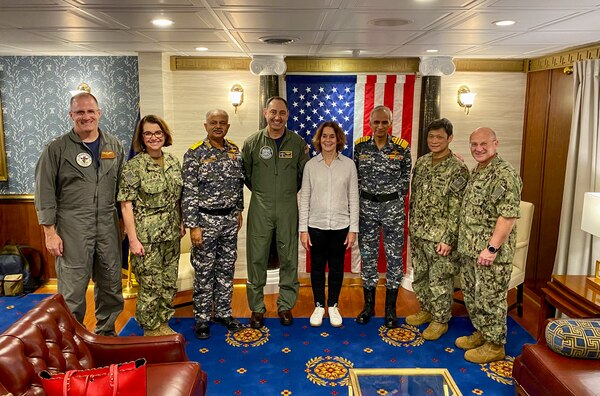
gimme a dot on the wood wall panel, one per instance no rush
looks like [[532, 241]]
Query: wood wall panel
[[545, 145], [557, 145], [18, 224]]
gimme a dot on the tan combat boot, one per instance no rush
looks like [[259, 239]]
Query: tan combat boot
[[486, 353], [165, 329], [435, 330], [475, 340], [419, 318]]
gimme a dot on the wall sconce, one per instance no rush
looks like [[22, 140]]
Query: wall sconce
[[236, 96], [465, 98], [590, 223], [81, 88]]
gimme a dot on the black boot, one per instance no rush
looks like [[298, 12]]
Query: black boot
[[369, 308], [391, 320]]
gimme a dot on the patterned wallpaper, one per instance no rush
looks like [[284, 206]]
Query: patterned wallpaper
[[35, 104]]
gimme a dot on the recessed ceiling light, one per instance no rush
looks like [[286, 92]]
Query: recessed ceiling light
[[387, 22], [201, 49], [162, 22], [431, 50], [506, 22]]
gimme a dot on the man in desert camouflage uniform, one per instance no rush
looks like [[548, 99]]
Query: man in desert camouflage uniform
[[383, 164], [212, 208], [486, 243], [439, 179]]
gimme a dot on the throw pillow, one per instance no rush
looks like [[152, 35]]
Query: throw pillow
[[578, 338]]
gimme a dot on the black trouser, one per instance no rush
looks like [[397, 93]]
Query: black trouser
[[327, 249]]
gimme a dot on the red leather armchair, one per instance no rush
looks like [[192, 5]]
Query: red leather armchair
[[48, 337], [539, 371]]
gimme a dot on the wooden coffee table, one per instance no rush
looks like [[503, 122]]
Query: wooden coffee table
[[571, 295]]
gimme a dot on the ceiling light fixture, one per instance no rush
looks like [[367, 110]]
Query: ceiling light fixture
[[162, 22], [465, 98], [278, 40], [390, 22], [431, 51], [506, 22], [201, 49]]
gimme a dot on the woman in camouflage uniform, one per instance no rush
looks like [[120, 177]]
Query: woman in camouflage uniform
[[150, 195]]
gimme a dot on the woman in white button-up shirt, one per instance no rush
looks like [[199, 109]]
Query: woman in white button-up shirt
[[328, 217]]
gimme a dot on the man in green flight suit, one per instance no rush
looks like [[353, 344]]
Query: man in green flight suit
[[274, 159]]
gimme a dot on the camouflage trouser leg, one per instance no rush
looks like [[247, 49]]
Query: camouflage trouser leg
[[368, 243], [433, 278], [388, 217], [156, 273], [485, 290], [214, 264], [392, 222]]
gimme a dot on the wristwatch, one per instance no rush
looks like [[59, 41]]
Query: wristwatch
[[492, 249]]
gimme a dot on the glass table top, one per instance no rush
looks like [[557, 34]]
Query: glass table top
[[402, 382]]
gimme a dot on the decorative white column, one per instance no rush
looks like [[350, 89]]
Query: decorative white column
[[436, 66], [268, 65], [269, 68]]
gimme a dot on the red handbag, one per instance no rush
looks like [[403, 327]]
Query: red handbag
[[125, 379]]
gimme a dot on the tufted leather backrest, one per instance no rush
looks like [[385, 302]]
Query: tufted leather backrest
[[45, 338]]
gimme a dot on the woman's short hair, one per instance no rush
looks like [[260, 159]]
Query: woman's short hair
[[340, 137], [138, 137]]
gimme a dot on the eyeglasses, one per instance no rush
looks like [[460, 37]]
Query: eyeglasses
[[155, 134]]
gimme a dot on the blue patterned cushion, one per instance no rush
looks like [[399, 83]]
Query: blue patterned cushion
[[578, 338]]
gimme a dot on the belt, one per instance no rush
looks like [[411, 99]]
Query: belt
[[217, 212], [379, 197]]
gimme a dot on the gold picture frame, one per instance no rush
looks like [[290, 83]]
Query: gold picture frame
[[3, 166]]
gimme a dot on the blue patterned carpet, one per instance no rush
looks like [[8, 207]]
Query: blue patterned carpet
[[302, 360], [12, 308]]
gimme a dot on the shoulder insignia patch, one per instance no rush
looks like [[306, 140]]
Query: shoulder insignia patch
[[232, 143], [362, 139], [197, 144], [400, 142]]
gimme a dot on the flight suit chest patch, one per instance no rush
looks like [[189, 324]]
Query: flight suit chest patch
[[107, 155], [266, 152], [286, 154], [84, 160]]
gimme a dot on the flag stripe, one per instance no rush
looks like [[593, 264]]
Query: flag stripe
[[369, 104]]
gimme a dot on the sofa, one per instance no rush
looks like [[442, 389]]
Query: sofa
[[539, 371], [48, 337]]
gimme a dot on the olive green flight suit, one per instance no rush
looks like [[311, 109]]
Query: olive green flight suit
[[274, 176], [80, 201]]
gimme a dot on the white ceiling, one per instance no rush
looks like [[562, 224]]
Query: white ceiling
[[323, 28]]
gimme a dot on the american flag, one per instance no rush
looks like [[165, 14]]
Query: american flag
[[348, 100]]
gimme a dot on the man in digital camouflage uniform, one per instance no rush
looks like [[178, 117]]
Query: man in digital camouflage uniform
[[383, 163], [212, 204], [486, 243], [438, 182], [76, 181], [274, 159]]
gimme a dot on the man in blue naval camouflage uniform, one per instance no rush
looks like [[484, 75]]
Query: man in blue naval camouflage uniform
[[486, 243], [383, 163], [212, 206]]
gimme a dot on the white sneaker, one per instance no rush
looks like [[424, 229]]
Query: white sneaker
[[316, 319], [334, 316]]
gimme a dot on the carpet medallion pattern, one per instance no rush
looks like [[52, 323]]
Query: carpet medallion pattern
[[304, 360]]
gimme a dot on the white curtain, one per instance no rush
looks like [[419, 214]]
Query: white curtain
[[578, 250]]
